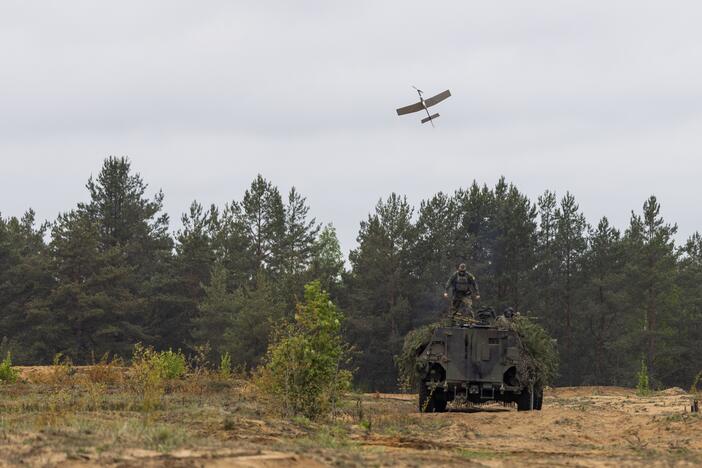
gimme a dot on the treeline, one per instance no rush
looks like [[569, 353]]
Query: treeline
[[109, 273]]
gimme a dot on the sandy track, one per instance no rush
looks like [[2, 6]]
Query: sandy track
[[578, 426]]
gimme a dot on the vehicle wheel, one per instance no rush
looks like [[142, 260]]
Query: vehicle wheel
[[439, 400], [524, 400]]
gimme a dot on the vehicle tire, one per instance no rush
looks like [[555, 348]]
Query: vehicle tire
[[439, 400], [524, 399]]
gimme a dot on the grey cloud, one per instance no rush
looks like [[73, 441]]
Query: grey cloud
[[602, 99]]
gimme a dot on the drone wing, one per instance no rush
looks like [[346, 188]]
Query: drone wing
[[409, 109], [435, 99]]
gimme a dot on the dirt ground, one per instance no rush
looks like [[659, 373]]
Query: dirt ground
[[217, 423]]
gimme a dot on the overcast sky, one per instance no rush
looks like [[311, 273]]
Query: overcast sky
[[603, 99]]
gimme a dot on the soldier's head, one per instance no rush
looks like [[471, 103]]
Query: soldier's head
[[462, 267]]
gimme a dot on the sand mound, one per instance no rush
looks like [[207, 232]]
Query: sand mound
[[673, 391]]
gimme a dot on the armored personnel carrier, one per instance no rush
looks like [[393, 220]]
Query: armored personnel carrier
[[476, 361]]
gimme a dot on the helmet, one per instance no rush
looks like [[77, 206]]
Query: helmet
[[462, 267]]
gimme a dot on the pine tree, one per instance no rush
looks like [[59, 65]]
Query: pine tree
[[685, 349], [381, 288], [112, 262], [262, 216], [259, 312], [297, 247], [24, 279], [476, 235], [216, 312], [438, 250], [651, 279], [547, 262], [513, 258], [177, 291], [93, 309], [300, 235], [327, 265], [123, 215], [569, 247]]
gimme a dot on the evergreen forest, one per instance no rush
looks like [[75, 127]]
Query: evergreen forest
[[110, 273]]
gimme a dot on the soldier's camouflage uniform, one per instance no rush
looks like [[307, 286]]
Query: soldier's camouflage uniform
[[463, 286]]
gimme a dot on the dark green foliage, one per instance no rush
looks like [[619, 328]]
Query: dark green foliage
[[107, 274], [599, 331], [651, 274], [538, 364], [216, 312], [381, 287], [412, 346], [25, 279], [687, 320], [258, 311]]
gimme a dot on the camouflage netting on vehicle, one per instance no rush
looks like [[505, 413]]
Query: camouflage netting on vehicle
[[537, 366], [414, 343]]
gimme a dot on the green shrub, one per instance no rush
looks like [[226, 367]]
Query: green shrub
[[302, 374], [150, 369], [8, 374], [225, 365], [172, 364], [643, 387], [169, 364]]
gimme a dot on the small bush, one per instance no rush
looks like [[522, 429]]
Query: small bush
[[8, 374], [172, 364], [150, 369], [146, 379], [302, 375], [225, 365], [642, 387]]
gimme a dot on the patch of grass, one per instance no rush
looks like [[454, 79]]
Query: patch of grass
[[229, 423], [302, 421], [164, 438], [477, 454], [329, 437], [107, 372], [675, 417]]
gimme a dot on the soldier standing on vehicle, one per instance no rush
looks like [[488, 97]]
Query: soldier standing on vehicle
[[464, 288]]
